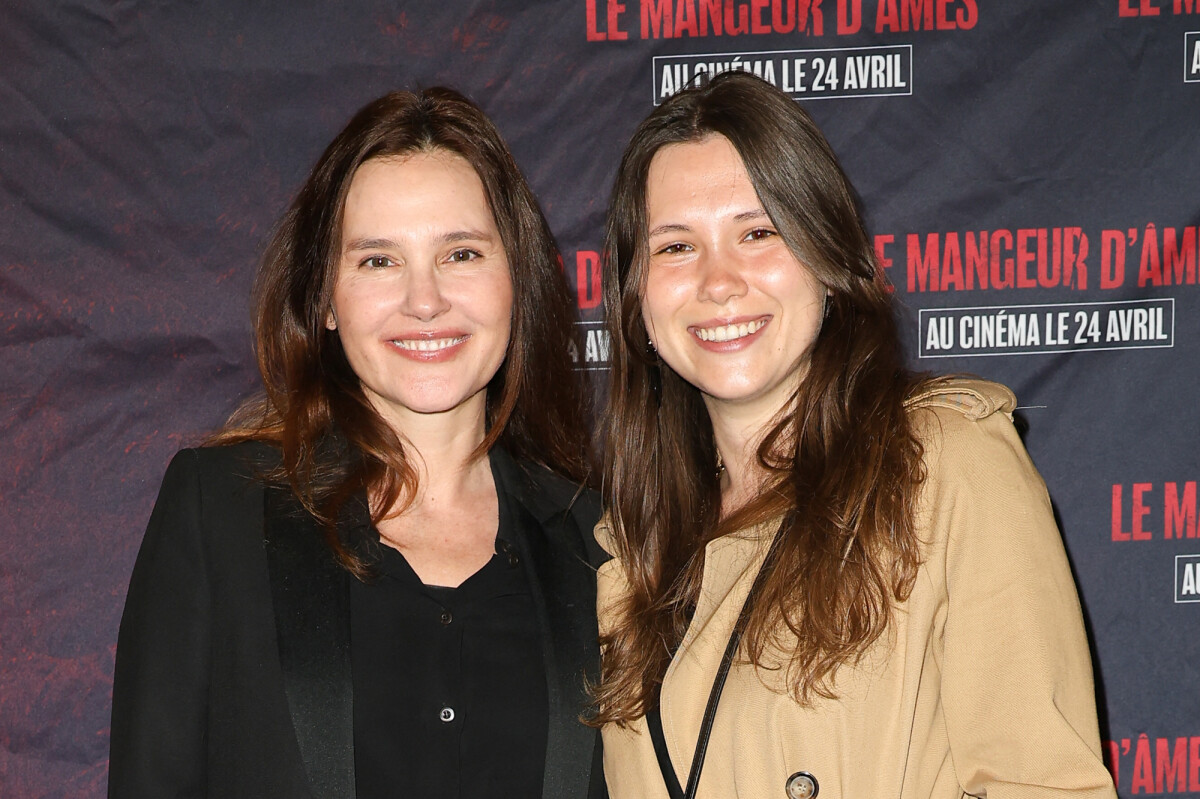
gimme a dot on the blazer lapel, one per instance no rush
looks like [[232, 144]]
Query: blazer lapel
[[564, 592], [312, 618]]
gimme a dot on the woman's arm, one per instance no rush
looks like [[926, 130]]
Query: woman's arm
[[1017, 677], [160, 683]]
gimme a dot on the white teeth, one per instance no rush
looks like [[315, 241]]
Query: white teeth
[[729, 332], [427, 344]]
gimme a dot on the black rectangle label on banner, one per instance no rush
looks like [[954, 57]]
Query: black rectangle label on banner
[[802, 74], [1187, 578], [1191, 57], [590, 349], [1035, 329]]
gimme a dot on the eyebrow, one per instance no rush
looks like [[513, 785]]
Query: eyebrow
[[450, 237], [677, 227], [671, 227]]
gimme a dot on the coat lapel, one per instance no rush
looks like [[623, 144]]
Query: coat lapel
[[312, 614], [564, 591], [312, 617]]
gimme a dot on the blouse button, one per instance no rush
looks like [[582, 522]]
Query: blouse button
[[802, 785], [447, 714], [446, 617]]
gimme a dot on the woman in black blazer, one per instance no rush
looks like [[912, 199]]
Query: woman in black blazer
[[378, 579]]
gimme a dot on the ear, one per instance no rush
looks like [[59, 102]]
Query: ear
[[331, 319]]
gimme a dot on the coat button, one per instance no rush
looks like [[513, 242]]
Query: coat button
[[447, 714], [446, 617], [802, 785]]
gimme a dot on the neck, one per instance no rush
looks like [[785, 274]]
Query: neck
[[440, 447], [737, 433]]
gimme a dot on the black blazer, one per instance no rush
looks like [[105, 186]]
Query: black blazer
[[233, 664]]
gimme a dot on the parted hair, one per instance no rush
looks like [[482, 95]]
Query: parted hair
[[333, 443], [843, 461]]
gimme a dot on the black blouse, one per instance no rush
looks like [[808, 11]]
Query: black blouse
[[450, 693]]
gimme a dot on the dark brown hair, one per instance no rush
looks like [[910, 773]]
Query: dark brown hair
[[844, 462], [333, 443]]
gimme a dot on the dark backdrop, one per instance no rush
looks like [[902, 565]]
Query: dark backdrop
[[1029, 171]]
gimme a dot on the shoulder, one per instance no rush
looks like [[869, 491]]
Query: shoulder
[[955, 415], [228, 469], [245, 460], [210, 507], [971, 398], [966, 431]]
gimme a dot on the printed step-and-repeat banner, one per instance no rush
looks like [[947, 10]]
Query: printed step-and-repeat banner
[[1030, 172]]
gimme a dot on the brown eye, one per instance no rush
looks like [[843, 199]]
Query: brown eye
[[760, 233], [377, 262], [463, 255]]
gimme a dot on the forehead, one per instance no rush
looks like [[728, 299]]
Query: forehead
[[705, 175], [434, 188], [395, 172]]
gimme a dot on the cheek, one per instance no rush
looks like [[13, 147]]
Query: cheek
[[658, 299], [495, 302], [797, 288], [356, 306], [647, 317], [485, 301]]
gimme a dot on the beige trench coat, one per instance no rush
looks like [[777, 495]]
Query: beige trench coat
[[982, 687]]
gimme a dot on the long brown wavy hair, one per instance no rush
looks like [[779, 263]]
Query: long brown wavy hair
[[843, 461], [333, 443]]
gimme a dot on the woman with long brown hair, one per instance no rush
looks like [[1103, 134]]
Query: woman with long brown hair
[[831, 575], [375, 580]]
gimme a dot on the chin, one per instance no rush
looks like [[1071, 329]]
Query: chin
[[435, 406], [423, 400], [731, 393]]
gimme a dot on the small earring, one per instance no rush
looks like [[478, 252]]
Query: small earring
[[652, 351]]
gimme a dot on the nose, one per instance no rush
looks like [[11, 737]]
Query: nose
[[720, 279], [423, 297]]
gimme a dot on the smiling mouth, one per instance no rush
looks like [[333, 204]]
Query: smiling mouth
[[729, 332], [427, 344]]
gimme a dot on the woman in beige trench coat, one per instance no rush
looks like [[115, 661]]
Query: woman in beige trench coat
[[912, 629]]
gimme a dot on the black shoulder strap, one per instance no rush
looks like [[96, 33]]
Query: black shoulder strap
[[654, 716], [654, 724]]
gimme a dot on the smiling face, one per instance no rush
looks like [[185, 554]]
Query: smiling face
[[727, 304], [422, 300]]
